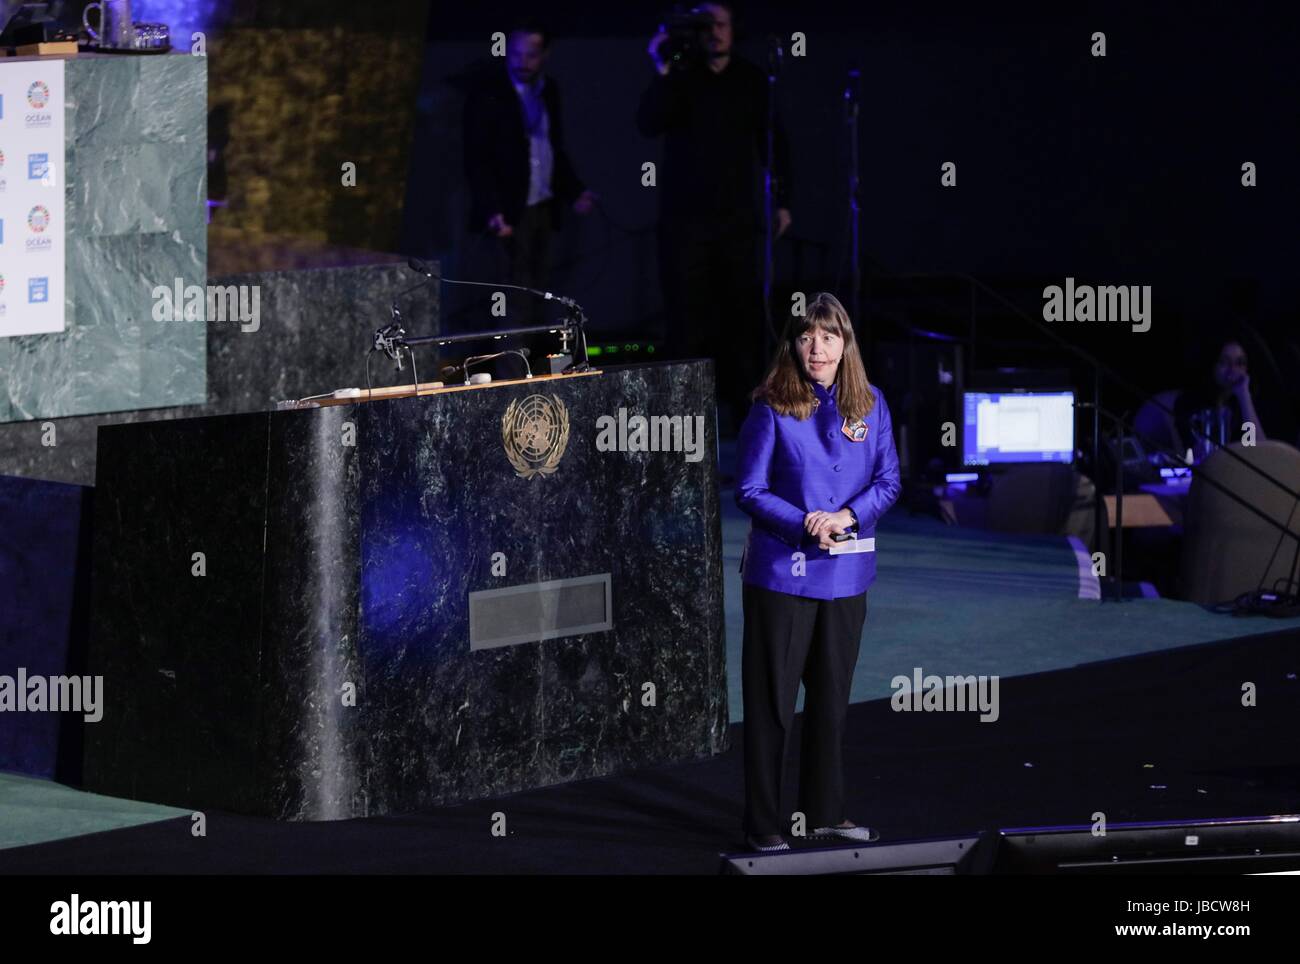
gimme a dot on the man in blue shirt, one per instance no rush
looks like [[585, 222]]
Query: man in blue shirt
[[816, 459]]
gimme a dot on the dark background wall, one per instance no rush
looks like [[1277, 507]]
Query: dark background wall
[[1117, 170], [297, 89]]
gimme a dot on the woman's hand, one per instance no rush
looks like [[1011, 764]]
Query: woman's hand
[[823, 525]]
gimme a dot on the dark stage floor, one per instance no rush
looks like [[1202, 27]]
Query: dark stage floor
[[1156, 736]]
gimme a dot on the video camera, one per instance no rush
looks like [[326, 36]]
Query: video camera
[[688, 37]]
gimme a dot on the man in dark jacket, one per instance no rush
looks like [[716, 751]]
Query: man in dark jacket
[[519, 173], [712, 113]]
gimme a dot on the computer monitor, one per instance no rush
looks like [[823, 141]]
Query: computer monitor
[[1017, 426]]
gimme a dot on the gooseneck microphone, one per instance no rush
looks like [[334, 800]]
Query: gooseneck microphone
[[419, 266], [392, 338]]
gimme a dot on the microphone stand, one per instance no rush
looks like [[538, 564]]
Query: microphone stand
[[1098, 508], [392, 338], [774, 54], [1098, 511], [852, 98]]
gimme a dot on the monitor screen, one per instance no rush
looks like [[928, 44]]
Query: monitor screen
[[1018, 426]]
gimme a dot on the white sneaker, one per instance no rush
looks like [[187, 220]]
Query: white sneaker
[[769, 848], [861, 834]]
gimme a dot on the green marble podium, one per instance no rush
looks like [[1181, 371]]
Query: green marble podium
[[136, 195]]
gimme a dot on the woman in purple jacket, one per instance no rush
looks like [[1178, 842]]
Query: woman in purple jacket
[[816, 461]]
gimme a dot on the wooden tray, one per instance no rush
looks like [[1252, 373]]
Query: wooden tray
[[96, 49]]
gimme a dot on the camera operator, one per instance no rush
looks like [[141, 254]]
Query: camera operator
[[711, 107]]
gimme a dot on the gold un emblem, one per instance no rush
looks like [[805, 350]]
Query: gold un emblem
[[535, 432]]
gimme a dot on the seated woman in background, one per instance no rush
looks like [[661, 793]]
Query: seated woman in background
[[1218, 406]]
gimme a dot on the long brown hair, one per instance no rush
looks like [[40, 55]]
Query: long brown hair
[[789, 389]]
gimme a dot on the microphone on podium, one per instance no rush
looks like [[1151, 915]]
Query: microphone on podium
[[421, 267], [450, 370], [392, 339]]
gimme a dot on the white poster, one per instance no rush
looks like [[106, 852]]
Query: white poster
[[32, 234]]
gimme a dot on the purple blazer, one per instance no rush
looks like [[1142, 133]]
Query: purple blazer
[[787, 468]]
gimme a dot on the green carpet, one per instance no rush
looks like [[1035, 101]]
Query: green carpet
[[965, 602], [33, 811]]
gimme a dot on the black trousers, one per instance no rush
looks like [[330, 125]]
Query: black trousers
[[789, 639], [713, 302]]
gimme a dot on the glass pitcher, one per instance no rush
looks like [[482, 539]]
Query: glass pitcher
[[115, 27]]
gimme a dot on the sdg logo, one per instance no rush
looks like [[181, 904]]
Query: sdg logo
[[38, 94], [38, 218], [38, 165], [38, 290]]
